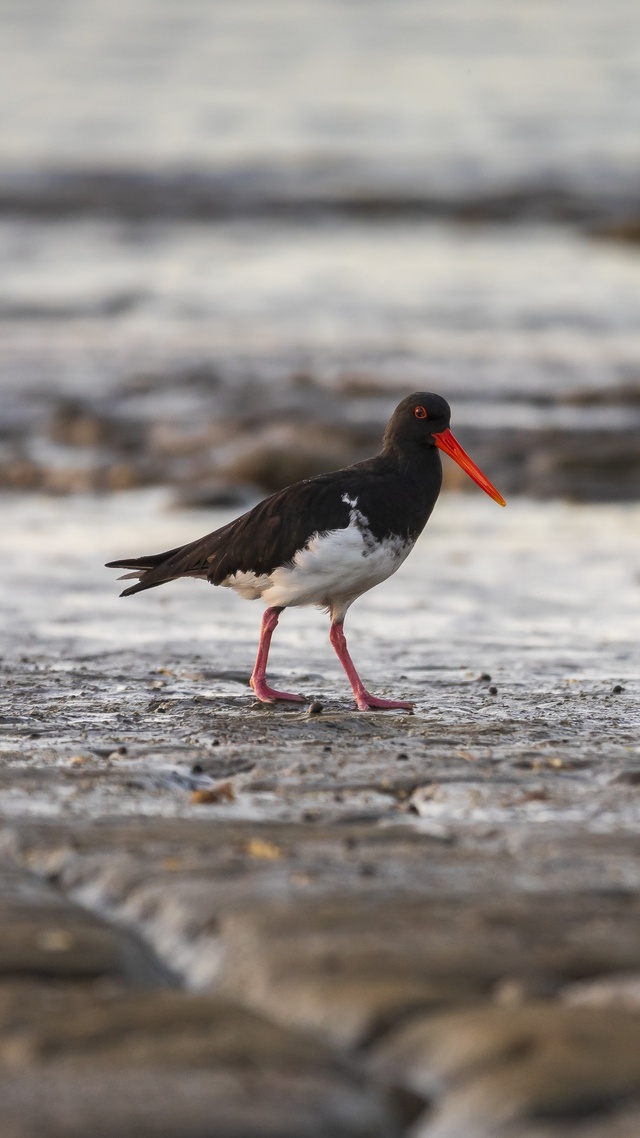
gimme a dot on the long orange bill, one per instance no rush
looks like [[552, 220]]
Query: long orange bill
[[446, 442]]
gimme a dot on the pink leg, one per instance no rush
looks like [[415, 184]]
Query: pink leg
[[364, 701], [258, 682]]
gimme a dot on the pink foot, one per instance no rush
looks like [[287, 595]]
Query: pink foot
[[366, 702], [269, 695]]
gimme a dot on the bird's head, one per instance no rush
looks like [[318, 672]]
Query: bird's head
[[422, 420]]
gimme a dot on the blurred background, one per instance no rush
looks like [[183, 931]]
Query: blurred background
[[234, 233]]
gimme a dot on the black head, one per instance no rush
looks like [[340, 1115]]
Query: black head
[[416, 420], [421, 422]]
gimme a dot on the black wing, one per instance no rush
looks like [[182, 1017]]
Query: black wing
[[267, 536]]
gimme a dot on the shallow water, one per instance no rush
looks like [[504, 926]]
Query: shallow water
[[510, 313], [326, 96], [217, 217]]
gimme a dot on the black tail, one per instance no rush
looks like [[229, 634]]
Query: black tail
[[195, 559], [142, 567]]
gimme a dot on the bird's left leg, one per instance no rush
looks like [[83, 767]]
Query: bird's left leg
[[258, 679], [364, 701]]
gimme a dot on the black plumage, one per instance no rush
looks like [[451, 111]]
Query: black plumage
[[328, 539], [270, 534], [396, 492]]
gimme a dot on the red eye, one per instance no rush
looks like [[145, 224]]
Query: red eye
[[420, 413]]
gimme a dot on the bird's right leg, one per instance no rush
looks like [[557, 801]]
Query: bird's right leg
[[258, 679], [364, 700]]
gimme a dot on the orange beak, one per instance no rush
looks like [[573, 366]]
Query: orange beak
[[446, 442]]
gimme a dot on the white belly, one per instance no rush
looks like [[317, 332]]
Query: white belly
[[331, 571]]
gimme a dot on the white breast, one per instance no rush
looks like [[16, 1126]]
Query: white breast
[[332, 570]]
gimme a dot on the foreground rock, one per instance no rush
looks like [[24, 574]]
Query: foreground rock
[[535, 1071], [44, 936], [84, 1050], [74, 1062]]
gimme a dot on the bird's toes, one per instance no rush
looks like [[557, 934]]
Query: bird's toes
[[368, 702], [270, 695]]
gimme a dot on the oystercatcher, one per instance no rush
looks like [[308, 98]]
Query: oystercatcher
[[326, 540]]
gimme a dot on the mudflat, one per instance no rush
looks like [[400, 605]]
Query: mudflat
[[315, 920]]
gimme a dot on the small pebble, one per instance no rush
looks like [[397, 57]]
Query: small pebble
[[493, 690], [55, 940], [315, 708], [262, 848], [402, 757], [197, 768], [509, 992], [484, 678], [617, 689], [222, 793], [78, 760]]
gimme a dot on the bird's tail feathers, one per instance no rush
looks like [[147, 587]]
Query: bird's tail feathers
[[148, 571]]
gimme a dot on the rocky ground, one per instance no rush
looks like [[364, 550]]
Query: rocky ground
[[229, 358], [316, 921]]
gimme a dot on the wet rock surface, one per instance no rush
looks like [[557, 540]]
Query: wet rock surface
[[74, 1062], [328, 923], [43, 936], [226, 360], [536, 1070]]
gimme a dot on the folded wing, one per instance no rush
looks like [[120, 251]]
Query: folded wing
[[267, 536]]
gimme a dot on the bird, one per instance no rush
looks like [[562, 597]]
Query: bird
[[326, 540]]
